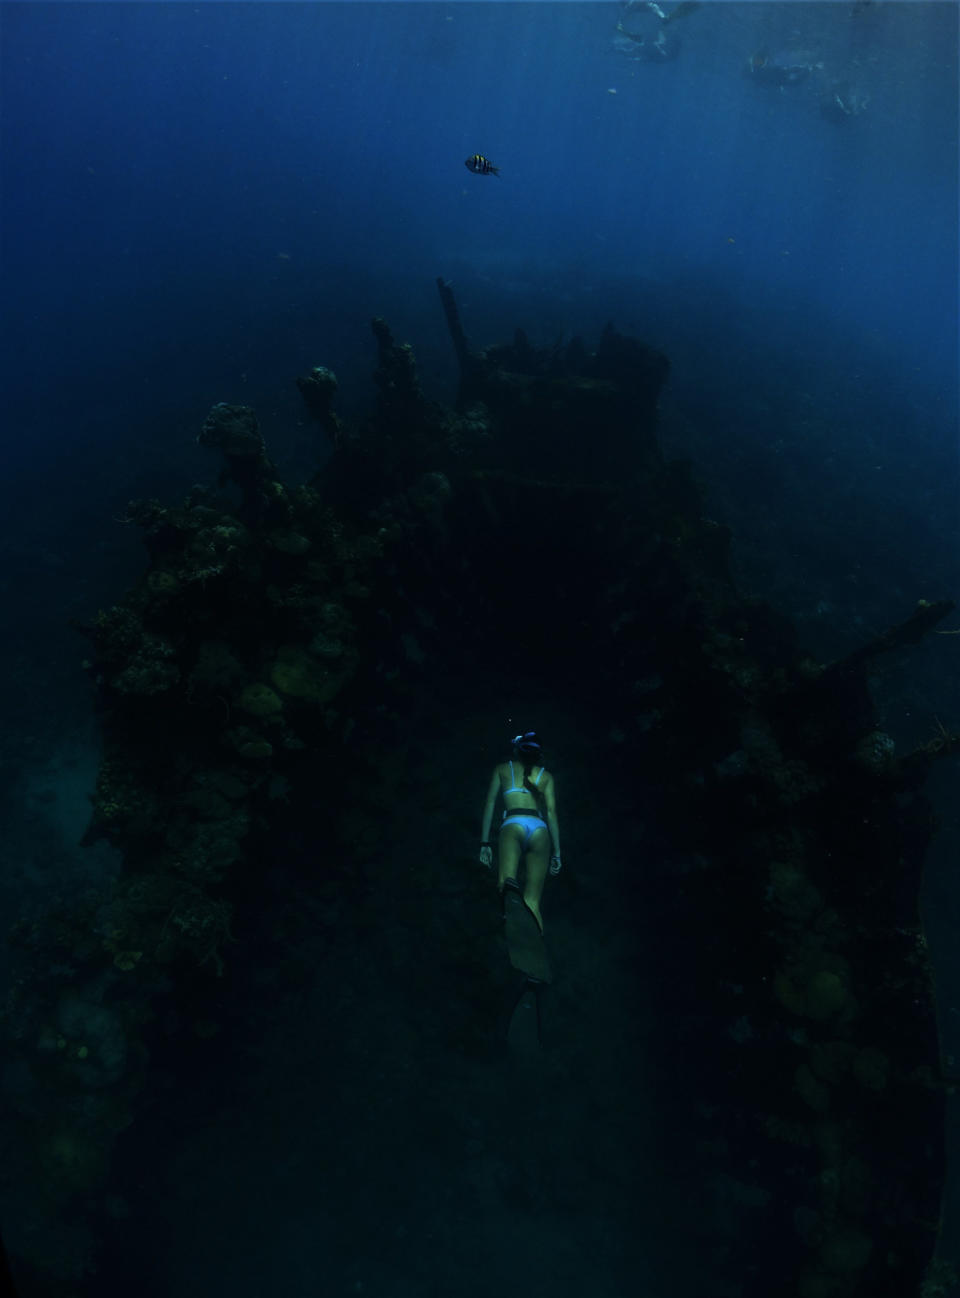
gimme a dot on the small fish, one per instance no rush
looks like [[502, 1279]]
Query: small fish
[[481, 166]]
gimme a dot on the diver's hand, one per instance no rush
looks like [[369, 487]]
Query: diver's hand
[[486, 857], [556, 865]]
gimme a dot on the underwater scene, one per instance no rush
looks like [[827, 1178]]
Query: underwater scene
[[480, 566]]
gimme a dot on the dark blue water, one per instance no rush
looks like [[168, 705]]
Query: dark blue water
[[200, 200]]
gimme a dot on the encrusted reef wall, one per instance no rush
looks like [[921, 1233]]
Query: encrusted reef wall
[[262, 684]]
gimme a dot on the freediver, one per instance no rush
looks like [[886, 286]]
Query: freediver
[[526, 834]]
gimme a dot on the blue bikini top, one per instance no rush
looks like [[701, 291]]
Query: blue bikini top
[[515, 788]]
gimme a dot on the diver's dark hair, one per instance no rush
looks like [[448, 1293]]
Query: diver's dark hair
[[528, 744], [530, 751]]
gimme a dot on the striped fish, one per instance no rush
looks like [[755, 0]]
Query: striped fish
[[481, 166]]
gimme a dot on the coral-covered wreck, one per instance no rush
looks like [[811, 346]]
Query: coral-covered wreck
[[300, 702]]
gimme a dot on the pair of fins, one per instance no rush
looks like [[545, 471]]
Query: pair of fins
[[528, 952], [528, 955]]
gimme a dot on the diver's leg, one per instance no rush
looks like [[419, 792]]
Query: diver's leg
[[509, 851], [538, 860]]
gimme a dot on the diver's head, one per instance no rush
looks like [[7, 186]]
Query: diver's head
[[528, 746]]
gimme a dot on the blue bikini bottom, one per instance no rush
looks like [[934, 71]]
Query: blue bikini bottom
[[528, 823]]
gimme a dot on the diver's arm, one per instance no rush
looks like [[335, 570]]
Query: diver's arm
[[553, 824], [486, 852]]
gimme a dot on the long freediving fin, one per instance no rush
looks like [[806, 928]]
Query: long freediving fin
[[524, 1034], [528, 952]]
